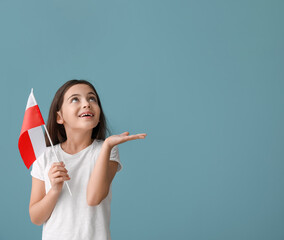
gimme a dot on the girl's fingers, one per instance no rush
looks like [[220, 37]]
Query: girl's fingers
[[61, 179], [64, 170], [58, 164], [124, 137], [60, 174], [57, 167], [58, 170], [132, 137], [140, 135], [57, 175], [61, 169], [125, 133]]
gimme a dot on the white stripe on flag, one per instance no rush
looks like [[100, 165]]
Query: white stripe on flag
[[37, 139], [31, 102]]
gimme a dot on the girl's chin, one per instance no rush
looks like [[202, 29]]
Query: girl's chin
[[90, 125], [85, 126]]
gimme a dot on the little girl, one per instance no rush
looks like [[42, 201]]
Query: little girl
[[89, 162]]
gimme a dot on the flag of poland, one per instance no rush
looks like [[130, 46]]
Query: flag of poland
[[31, 141]]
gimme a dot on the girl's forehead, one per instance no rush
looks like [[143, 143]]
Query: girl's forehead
[[81, 89]]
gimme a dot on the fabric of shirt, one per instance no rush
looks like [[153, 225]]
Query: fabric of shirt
[[72, 218]]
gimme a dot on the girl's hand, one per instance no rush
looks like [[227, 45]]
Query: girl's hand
[[123, 137], [57, 175]]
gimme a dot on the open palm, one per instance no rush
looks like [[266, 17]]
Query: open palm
[[123, 137]]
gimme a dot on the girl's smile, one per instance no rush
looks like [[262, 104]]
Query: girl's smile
[[86, 115]]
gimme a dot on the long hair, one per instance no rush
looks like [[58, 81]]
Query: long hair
[[57, 131]]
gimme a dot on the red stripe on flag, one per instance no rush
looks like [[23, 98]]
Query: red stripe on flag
[[26, 149], [32, 118]]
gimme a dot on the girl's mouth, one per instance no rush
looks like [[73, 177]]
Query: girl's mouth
[[86, 115]]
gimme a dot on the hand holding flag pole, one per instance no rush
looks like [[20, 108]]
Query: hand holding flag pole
[[31, 141]]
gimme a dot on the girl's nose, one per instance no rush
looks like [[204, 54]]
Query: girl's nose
[[86, 104]]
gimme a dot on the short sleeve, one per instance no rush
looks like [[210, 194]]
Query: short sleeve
[[114, 156], [37, 168]]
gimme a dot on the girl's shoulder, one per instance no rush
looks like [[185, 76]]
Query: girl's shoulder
[[43, 160], [98, 141]]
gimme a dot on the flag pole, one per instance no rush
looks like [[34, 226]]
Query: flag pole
[[52, 145]]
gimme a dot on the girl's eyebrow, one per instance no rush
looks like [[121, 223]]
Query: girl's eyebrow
[[76, 94]]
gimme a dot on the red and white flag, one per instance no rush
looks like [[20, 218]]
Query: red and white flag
[[31, 141]]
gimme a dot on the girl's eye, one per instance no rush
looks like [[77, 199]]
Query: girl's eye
[[93, 99], [74, 99]]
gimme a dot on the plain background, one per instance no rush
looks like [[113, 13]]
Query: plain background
[[204, 80]]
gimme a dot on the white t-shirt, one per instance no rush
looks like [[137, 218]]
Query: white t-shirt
[[72, 218]]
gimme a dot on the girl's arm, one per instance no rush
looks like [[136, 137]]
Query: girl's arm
[[42, 204], [105, 170], [101, 177]]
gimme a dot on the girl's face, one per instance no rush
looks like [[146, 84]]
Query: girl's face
[[80, 109]]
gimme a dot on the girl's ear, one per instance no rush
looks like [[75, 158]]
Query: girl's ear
[[59, 118]]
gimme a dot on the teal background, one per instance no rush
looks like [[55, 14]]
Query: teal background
[[204, 80]]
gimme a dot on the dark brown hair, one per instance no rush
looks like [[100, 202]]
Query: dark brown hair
[[57, 131]]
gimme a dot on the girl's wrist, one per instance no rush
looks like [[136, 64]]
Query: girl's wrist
[[107, 145], [54, 191]]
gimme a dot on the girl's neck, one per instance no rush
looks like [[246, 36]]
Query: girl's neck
[[76, 143]]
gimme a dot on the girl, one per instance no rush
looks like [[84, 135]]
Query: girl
[[89, 162]]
